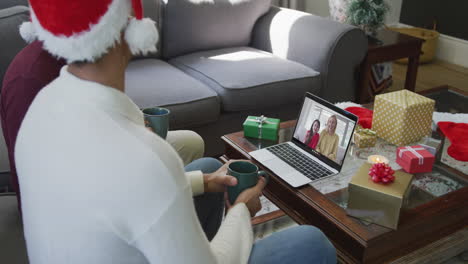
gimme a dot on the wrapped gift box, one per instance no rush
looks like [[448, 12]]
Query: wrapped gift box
[[415, 159], [402, 117], [377, 203], [365, 138], [261, 127]]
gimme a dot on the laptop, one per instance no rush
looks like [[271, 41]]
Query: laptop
[[316, 150]]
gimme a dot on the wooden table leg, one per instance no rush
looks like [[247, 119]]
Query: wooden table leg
[[364, 95], [411, 73]]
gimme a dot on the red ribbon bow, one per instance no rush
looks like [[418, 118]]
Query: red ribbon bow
[[382, 173]]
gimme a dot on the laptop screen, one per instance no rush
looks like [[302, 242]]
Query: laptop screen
[[324, 130]]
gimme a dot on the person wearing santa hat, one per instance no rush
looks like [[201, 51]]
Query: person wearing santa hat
[[111, 191], [31, 70]]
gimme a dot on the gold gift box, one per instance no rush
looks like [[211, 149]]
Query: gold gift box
[[375, 202], [402, 117], [365, 138]]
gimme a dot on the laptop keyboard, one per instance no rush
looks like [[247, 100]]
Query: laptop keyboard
[[298, 160]]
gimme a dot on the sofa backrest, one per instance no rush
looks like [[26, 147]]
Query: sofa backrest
[[152, 9], [10, 3], [196, 25], [11, 42]]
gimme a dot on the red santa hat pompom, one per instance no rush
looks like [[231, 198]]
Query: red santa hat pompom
[[84, 30]]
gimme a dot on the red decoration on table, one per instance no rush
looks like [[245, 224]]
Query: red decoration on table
[[457, 134], [415, 159], [364, 115], [382, 173]]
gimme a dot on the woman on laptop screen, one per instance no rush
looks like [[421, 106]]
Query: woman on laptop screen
[[312, 137], [328, 142]]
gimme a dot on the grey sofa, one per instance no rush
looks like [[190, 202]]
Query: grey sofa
[[219, 62]]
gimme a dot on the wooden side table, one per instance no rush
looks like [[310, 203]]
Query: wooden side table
[[392, 46]]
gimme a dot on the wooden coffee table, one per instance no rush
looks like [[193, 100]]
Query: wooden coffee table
[[427, 218]]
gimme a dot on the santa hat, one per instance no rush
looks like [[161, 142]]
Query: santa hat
[[84, 30]]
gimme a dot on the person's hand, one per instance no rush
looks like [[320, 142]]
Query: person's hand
[[251, 197], [219, 180], [147, 125]]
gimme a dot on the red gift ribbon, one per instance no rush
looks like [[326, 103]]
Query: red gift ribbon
[[382, 173]]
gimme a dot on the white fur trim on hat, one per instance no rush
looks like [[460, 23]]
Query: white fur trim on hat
[[141, 36], [89, 45], [27, 32]]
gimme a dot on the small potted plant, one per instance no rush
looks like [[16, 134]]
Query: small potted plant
[[369, 15]]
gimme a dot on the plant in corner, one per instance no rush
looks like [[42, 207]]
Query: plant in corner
[[368, 15]]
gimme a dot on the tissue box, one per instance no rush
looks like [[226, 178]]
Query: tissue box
[[261, 127], [365, 138], [402, 117], [377, 203], [415, 159]]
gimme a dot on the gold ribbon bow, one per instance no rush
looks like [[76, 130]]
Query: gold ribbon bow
[[366, 131]]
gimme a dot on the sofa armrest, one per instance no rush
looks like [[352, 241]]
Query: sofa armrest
[[331, 48]]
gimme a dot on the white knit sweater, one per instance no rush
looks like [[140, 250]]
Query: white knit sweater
[[97, 187]]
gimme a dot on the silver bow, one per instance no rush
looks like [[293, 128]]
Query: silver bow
[[414, 151], [260, 120]]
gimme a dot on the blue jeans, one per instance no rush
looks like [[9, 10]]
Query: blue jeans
[[300, 244], [209, 206]]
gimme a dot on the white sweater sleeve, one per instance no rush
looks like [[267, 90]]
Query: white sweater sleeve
[[195, 178], [171, 232], [176, 236], [233, 242]]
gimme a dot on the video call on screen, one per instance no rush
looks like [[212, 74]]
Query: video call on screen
[[324, 130]]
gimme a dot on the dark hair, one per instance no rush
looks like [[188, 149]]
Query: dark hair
[[311, 133]]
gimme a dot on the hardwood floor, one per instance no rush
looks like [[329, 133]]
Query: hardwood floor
[[432, 75]]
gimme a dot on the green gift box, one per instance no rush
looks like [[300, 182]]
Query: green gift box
[[261, 127]]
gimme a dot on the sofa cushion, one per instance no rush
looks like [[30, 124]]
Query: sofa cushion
[[191, 25], [152, 82], [246, 78], [11, 42]]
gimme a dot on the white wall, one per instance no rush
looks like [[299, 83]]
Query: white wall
[[320, 7], [453, 50], [393, 16]]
